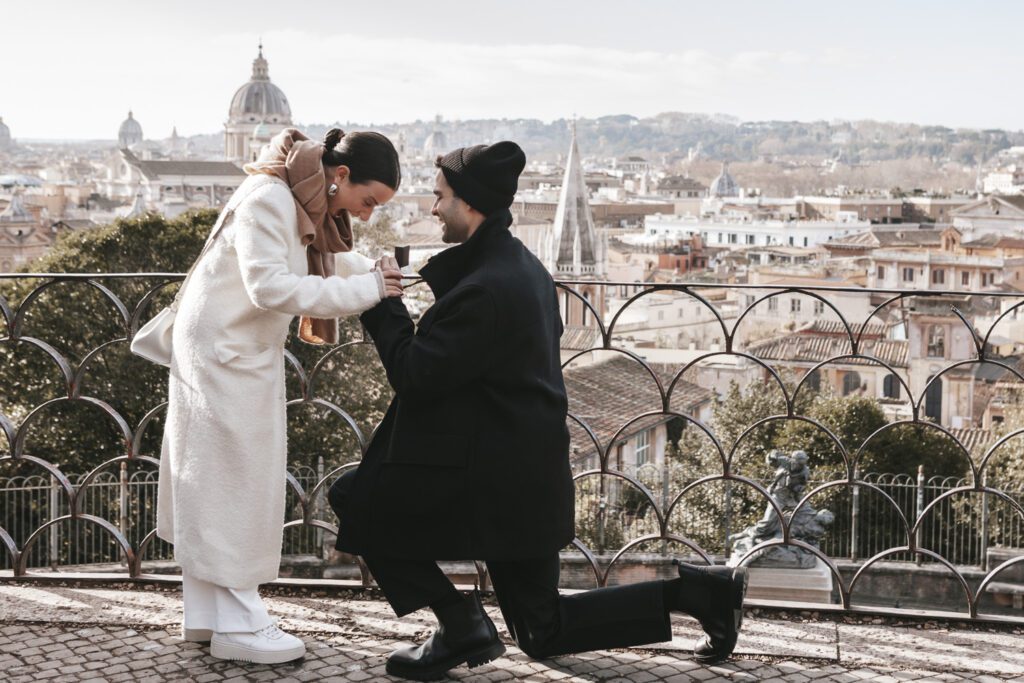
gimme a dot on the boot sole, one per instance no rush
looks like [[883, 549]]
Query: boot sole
[[740, 578], [240, 653], [196, 635], [474, 659]]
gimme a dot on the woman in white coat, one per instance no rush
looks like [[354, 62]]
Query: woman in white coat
[[283, 251]]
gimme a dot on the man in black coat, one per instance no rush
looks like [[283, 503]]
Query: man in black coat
[[471, 459]]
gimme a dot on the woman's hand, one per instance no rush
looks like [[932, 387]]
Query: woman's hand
[[387, 263]]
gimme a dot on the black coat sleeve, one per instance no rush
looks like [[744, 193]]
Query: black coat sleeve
[[454, 351]]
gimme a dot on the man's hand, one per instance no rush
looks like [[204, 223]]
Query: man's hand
[[388, 266]]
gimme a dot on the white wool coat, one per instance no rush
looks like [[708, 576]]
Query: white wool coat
[[221, 498]]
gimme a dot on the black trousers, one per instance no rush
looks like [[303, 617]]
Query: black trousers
[[541, 621]]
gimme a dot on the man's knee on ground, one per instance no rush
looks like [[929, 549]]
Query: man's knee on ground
[[534, 648], [339, 492]]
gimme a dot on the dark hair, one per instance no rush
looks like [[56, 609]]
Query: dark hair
[[369, 156]]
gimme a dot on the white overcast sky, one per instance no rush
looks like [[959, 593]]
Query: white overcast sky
[[72, 69]]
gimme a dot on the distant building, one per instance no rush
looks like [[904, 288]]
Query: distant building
[[631, 165], [129, 133], [6, 143], [1004, 215], [852, 207], [932, 209], [607, 395], [885, 237], [724, 185], [821, 340], [171, 187], [733, 234], [953, 265], [679, 187], [577, 251], [1009, 180], [684, 256], [258, 106], [436, 143], [22, 235]]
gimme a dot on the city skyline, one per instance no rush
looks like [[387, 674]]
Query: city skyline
[[916, 62]]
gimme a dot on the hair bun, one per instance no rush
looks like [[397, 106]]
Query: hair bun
[[333, 137]]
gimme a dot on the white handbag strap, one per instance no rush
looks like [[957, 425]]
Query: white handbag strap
[[228, 211], [221, 220]]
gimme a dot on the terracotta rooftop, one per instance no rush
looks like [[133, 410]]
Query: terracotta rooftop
[[607, 395], [816, 347]]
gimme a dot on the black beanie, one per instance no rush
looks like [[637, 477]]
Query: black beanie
[[484, 176]]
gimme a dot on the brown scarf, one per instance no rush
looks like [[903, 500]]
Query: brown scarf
[[298, 161]]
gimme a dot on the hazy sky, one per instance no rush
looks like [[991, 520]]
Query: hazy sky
[[72, 69]]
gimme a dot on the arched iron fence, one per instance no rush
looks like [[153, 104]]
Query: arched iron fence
[[665, 507]]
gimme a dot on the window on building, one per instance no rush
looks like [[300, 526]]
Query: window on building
[[732, 238], [750, 239], [813, 381], [880, 272], [851, 383], [938, 277], [933, 400], [794, 305], [643, 447], [819, 307], [661, 315], [790, 240], [965, 279], [908, 274], [891, 386], [936, 341], [805, 241], [773, 304]]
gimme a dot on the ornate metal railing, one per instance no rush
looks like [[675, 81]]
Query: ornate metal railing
[[127, 499], [84, 400]]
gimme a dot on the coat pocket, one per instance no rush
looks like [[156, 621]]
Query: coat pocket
[[244, 354], [437, 450]]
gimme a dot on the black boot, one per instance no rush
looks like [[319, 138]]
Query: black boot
[[714, 596], [465, 634]]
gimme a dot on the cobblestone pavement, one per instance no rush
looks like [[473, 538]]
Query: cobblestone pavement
[[78, 634]]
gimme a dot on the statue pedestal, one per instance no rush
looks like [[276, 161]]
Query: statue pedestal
[[813, 584]]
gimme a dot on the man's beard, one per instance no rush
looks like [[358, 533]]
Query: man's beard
[[452, 233]]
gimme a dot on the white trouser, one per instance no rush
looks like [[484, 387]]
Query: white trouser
[[221, 609]]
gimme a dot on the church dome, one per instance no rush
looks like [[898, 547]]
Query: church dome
[[130, 132], [5, 134], [724, 185], [262, 132], [259, 99], [436, 144]]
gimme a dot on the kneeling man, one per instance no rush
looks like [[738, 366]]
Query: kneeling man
[[471, 460]]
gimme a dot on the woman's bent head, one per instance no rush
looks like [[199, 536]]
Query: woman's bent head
[[362, 171]]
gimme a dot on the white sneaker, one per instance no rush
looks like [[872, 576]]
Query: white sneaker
[[196, 635], [269, 645]]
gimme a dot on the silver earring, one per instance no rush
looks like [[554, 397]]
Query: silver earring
[[332, 190]]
